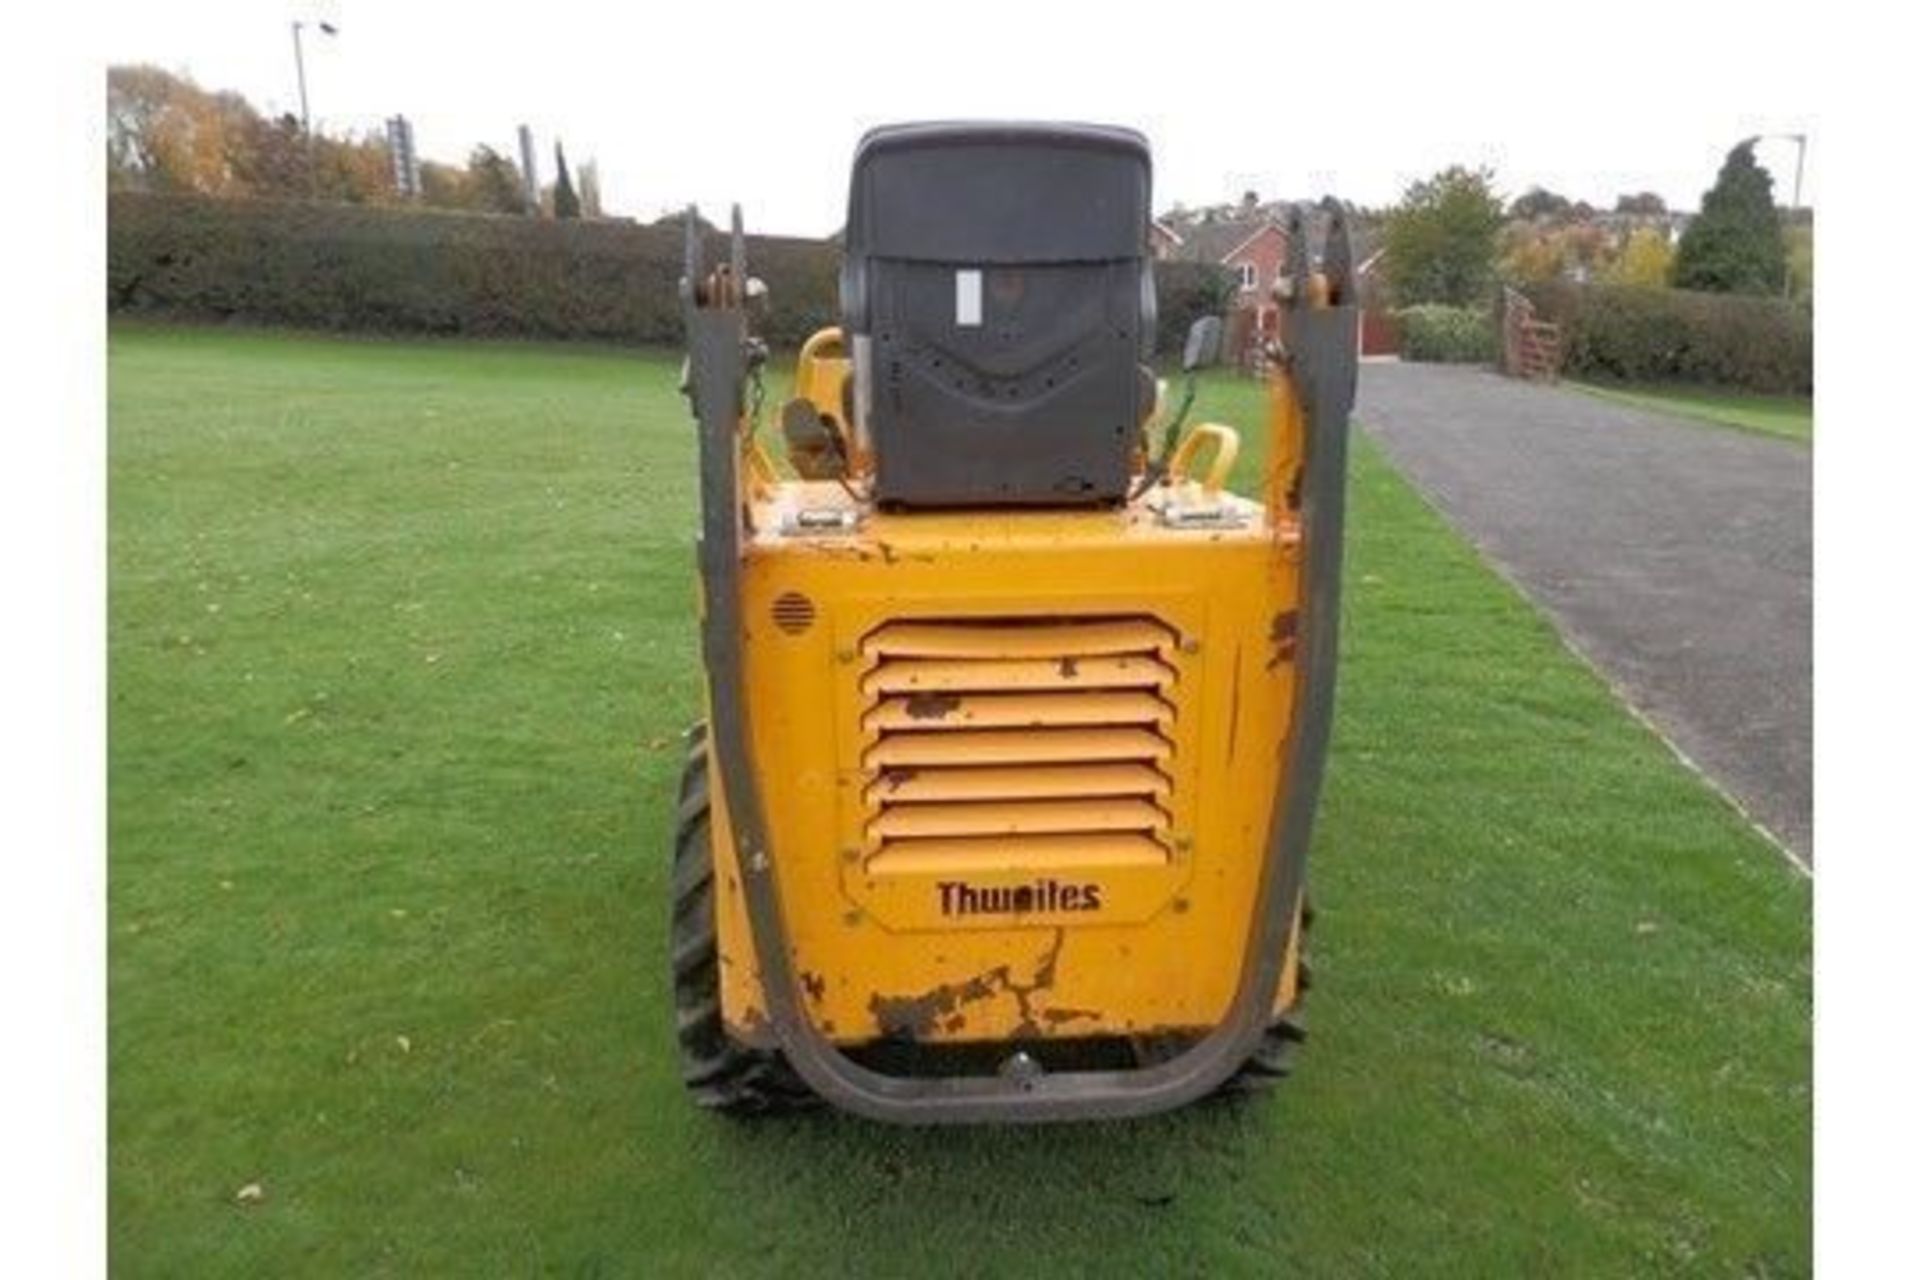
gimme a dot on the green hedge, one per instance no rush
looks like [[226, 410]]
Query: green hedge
[[1445, 335], [1634, 333], [330, 266]]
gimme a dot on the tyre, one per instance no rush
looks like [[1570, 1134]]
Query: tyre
[[1275, 1057], [720, 1074]]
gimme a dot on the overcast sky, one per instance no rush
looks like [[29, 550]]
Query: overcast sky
[[716, 102]]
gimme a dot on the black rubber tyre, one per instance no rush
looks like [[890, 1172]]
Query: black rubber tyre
[[720, 1074], [1279, 1049]]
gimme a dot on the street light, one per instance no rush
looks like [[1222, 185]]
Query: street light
[[1799, 141], [300, 71]]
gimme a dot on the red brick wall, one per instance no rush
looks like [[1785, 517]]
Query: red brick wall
[[1267, 253]]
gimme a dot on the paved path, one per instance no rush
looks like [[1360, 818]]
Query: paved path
[[1676, 555]]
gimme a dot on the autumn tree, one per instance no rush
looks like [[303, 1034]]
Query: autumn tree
[[353, 170], [1800, 260], [270, 157], [443, 186], [1646, 203], [165, 133], [493, 182], [1645, 259], [1539, 202], [1535, 255], [1734, 245], [1441, 237]]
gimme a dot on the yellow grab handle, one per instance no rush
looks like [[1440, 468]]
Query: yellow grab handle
[[822, 340], [1226, 443]]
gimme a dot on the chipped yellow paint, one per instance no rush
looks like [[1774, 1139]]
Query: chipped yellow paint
[[1069, 719]]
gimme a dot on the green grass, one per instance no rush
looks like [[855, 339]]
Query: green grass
[[1790, 417], [401, 638]]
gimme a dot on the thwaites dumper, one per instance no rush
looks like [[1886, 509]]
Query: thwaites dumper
[[1016, 715]]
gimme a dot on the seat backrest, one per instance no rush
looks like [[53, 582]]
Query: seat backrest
[[999, 297]]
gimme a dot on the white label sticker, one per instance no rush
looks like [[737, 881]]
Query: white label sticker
[[966, 297]]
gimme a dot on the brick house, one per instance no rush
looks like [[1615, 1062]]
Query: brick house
[[1254, 251], [1163, 242]]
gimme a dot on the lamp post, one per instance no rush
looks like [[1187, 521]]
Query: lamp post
[[300, 72], [1799, 140]]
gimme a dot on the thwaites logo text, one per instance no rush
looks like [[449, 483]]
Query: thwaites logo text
[[958, 898]]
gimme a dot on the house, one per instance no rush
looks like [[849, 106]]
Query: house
[[1163, 241], [1254, 250]]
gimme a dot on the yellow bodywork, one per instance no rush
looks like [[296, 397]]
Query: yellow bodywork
[[1017, 766]]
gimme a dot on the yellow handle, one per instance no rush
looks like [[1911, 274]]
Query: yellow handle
[[1226, 443], [821, 340]]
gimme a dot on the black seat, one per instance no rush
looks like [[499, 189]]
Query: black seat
[[999, 298]]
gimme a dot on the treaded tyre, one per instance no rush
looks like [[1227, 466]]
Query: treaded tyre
[[1274, 1058], [720, 1074]]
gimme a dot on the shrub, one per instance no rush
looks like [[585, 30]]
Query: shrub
[[1636, 334], [1186, 291], [1445, 335], [328, 266]]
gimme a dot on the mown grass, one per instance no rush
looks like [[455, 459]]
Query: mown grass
[[1790, 417], [401, 638]]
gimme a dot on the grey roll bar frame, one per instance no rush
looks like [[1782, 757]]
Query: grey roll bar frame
[[1321, 351]]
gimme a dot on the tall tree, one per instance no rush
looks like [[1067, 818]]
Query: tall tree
[[1440, 239], [271, 158], [1646, 202], [1646, 259], [1734, 245], [1539, 202], [566, 203], [493, 182], [590, 190], [443, 186], [166, 133]]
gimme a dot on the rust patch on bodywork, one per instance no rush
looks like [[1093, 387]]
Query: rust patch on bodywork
[[1282, 636], [815, 984], [1069, 668], [914, 1017], [931, 706]]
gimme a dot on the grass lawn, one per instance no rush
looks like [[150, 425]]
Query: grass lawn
[[401, 640], [1788, 416]]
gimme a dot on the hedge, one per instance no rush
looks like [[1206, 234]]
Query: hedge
[[353, 267], [331, 266], [1633, 333], [1445, 335]]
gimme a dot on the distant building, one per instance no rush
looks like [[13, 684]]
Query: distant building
[[1254, 252]]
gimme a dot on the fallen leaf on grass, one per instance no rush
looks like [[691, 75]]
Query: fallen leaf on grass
[[252, 1193], [406, 1045]]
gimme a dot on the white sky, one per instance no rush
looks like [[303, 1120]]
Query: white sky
[[684, 101]]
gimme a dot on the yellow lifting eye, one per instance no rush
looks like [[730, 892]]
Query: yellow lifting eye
[[1226, 449]]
